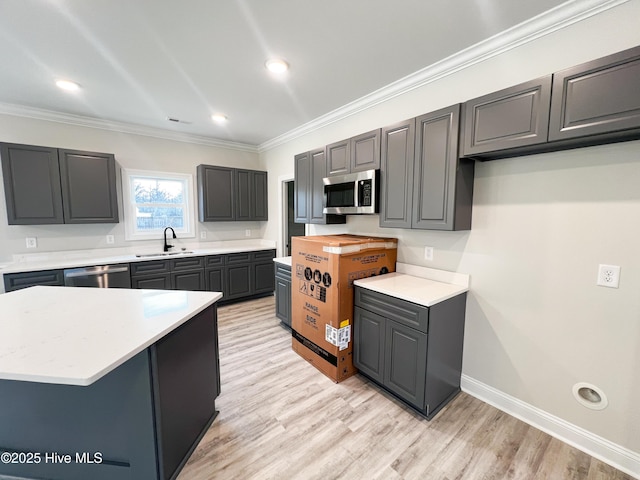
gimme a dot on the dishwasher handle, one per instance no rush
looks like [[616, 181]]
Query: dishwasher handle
[[94, 271]]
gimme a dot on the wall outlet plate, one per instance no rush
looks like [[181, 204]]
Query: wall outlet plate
[[203, 235], [32, 242], [247, 233], [428, 253], [608, 276], [110, 239]]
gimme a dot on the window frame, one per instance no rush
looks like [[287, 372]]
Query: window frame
[[131, 232]]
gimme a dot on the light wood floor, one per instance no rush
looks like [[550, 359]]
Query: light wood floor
[[282, 419]]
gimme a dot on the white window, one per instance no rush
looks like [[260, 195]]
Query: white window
[[156, 200]]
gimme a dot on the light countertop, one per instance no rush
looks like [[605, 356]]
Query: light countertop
[[283, 260], [420, 285], [75, 336], [72, 259]]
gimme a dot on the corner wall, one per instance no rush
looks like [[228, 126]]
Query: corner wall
[[536, 321]]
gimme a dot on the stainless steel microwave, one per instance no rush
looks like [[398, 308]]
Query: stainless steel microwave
[[354, 193]]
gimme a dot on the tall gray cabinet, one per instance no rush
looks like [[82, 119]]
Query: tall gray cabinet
[[309, 170], [424, 183], [46, 185]]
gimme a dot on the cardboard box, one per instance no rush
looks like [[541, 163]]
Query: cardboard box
[[323, 269]]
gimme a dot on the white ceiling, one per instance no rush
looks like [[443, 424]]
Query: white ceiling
[[141, 61]]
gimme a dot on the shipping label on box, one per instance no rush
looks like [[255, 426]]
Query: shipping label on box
[[339, 337]]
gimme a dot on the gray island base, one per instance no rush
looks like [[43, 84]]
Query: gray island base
[[142, 420]]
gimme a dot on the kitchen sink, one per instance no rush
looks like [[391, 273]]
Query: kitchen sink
[[162, 254]]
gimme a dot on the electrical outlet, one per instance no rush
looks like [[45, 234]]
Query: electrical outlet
[[203, 235], [608, 276], [428, 253], [32, 242], [247, 233], [110, 239]]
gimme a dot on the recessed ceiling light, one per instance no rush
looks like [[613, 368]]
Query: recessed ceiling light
[[219, 117], [277, 65], [67, 85]]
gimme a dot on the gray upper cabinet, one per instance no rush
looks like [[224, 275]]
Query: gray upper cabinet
[[31, 184], [88, 187], [396, 169], [309, 170], [338, 158], [354, 154], [216, 193], [47, 185], [251, 195], [365, 151], [424, 185], [511, 118], [302, 187], [443, 184], [596, 98], [228, 194]]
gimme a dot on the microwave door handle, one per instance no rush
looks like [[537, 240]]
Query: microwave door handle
[[356, 200]]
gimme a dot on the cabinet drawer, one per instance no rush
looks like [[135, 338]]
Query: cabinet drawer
[[187, 263], [283, 271], [403, 312], [147, 268], [237, 258], [214, 261], [263, 255], [16, 281]]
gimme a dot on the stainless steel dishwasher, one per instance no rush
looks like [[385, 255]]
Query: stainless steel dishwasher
[[102, 276]]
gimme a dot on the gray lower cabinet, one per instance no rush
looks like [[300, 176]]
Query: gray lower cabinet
[[597, 98], [152, 274], [228, 194], [214, 273], [16, 281], [309, 170], [283, 293], [424, 185], [176, 274], [413, 351], [53, 186], [511, 118]]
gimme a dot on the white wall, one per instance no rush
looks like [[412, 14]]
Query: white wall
[[536, 322], [131, 151]]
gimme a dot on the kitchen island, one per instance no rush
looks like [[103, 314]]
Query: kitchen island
[[105, 383]]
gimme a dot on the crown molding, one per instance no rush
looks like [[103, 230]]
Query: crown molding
[[78, 120], [548, 22]]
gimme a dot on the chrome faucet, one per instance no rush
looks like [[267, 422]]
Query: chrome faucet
[[166, 245]]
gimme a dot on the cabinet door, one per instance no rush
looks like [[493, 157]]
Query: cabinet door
[[434, 171], [243, 195], [365, 151], [405, 362], [216, 193], [259, 197], [396, 169], [514, 117], [238, 281], [302, 187], [598, 97], [338, 158], [192, 281], [283, 299], [16, 281], [31, 184], [154, 282], [318, 169], [368, 343], [214, 279], [88, 182], [263, 278]]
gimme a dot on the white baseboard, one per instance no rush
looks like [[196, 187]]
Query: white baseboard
[[615, 455]]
